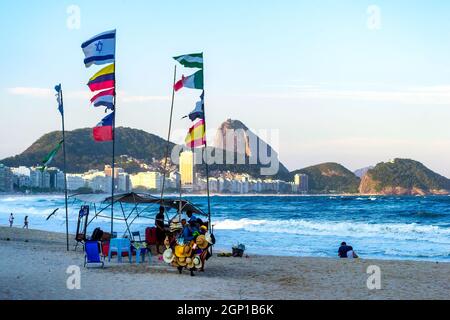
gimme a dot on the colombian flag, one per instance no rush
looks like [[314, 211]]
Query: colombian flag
[[104, 79], [196, 136]]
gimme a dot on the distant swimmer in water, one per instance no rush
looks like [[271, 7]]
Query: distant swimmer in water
[[346, 251]]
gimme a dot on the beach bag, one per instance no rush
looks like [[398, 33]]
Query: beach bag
[[150, 235], [238, 251]]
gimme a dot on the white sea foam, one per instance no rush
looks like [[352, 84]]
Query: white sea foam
[[400, 231]]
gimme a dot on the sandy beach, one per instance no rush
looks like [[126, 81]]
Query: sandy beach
[[34, 264]]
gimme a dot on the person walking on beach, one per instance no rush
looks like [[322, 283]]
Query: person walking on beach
[[25, 223], [346, 251], [11, 220]]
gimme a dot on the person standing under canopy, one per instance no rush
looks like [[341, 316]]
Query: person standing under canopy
[[191, 216], [160, 231]]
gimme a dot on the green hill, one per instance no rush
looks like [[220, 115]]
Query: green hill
[[330, 178], [84, 154], [403, 176]]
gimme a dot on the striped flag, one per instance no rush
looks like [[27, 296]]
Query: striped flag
[[100, 49], [194, 81], [197, 135], [104, 79], [104, 98], [193, 60]]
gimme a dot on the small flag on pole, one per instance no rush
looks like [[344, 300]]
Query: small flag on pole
[[58, 90], [104, 98], [199, 111], [196, 136], [50, 156], [104, 79], [194, 81], [100, 49], [104, 129], [193, 60]]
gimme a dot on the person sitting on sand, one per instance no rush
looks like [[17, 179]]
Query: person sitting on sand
[[25, 223], [11, 220], [346, 251]]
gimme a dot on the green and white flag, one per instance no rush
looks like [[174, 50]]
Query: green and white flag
[[50, 156], [194, 81], [193, 60]]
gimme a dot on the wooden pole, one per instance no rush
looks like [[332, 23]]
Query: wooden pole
[[168, 134], [65, 167]]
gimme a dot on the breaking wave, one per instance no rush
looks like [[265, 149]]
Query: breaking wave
[[399, 231]]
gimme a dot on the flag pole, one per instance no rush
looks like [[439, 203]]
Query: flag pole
[[168, 134], [206, 155], [207, 177], [114, 139], [65, 168]]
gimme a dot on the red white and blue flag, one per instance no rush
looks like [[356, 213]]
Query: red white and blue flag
[[104, 130], [104, 98]]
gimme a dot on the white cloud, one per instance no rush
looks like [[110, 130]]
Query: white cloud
[[431, 95], [127, 98], [123, 96], [31, 92]]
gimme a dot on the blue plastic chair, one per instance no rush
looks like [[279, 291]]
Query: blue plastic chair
[[92, 253], [140, 254], [119, 245]]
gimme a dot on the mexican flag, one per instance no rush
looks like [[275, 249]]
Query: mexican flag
[[193, 60], [50, 156], [194, 81]]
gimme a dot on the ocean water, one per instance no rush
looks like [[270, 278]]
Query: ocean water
[[416, 228]]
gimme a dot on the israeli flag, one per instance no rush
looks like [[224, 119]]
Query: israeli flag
[[100, 49]]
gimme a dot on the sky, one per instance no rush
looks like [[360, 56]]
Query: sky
[[355, 82]]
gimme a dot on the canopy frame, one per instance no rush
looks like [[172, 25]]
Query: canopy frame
[[180, 205]]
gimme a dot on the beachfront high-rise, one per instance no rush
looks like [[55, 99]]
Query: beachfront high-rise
[[187, 168], [6, 179], [301, 183], [147, 180]]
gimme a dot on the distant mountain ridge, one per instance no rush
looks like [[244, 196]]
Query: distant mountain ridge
[[330, 177], [84, 154], [361, 172], [133, 147], [136, 147], [245, 142], [403, 177]]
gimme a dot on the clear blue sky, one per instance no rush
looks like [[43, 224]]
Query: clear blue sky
[[335, 88]]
